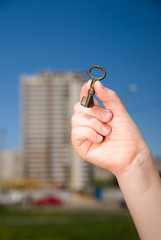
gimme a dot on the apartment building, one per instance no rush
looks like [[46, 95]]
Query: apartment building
[[47, 107], [11, 165]]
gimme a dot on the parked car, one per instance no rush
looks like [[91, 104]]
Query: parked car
[[49, 200]]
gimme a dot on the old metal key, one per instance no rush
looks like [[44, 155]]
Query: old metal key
[[86, 101]]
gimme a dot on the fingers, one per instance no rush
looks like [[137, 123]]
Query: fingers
[[109, 98], [83, 120], [104, 115], [82, 133], [90, 124]]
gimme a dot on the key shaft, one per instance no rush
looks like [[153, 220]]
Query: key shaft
[[86, 101]]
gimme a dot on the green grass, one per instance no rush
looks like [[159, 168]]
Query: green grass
[[42, 224]]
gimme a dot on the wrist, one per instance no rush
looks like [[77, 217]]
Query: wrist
[[139, 174], [141, 187]]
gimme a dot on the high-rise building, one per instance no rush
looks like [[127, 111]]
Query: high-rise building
[[11, 165], [47, 106]]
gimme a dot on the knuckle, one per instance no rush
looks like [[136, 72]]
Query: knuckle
[[73, 132], [113, 94], [95, 123], [75, 118], [76, 107]]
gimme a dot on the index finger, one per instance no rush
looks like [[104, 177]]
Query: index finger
[[84, 92]]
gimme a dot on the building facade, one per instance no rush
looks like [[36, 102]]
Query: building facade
[[47, 106], [11, 165]]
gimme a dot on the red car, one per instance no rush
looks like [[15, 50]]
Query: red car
[[47, 201]]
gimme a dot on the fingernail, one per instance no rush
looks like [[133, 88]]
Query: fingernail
[[100, 138], [105, 128], [99, 83], [106, 114]]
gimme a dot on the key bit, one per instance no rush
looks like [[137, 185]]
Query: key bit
[[86, 101]]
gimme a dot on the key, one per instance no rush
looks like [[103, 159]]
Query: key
[[86, 101]]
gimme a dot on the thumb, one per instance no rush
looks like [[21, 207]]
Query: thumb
[[109, 98]]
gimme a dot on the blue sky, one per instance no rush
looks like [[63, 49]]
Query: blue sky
[[121, 35]]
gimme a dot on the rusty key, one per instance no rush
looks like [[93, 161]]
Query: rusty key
[[86, 101]]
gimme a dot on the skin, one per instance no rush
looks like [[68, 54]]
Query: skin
[[109, 138]]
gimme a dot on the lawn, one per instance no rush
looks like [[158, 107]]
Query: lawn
[[47, 224]]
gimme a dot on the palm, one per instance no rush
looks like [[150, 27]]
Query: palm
[[116, 151]]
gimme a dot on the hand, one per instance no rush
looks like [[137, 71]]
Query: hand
[[106, 137]]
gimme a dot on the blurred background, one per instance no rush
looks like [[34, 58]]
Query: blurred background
[[46, 48]]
